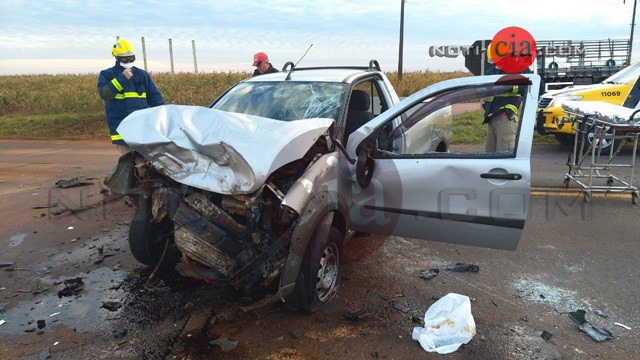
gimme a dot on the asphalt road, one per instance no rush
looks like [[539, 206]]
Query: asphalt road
[[572, 256]]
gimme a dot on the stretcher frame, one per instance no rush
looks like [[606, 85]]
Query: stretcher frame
[[601, 166]]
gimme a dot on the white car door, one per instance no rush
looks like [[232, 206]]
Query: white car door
[[461, 193]]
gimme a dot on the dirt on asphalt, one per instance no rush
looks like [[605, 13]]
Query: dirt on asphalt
[[71, 288]]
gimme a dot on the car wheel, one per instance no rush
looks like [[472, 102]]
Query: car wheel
[[540, 120], [319, 277], [147, 239]]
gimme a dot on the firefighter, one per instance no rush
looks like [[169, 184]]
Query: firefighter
[[501, 114], [125, 89]]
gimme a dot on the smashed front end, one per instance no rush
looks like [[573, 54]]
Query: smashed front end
[[221, 178]]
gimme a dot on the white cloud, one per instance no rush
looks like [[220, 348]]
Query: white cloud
[[343, 32]]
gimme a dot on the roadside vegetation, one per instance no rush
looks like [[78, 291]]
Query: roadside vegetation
[[68, 106]]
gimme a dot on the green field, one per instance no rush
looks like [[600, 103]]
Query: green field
[[68, 106]]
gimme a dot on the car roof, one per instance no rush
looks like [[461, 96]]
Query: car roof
[[338, 75]]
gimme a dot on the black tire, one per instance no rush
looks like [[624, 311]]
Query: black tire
[[540, 120], [147, 239], [319, 277], [564, 139]]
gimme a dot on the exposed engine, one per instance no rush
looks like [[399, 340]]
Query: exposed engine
[[240, 239]]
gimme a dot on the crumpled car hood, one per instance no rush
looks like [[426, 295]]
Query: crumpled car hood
[[213, 150]]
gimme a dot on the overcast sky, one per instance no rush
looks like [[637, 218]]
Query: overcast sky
[[76, 36]]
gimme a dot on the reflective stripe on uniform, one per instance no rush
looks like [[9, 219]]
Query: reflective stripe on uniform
[[116, 83], [511, 107], [116, 137], [129, 95]]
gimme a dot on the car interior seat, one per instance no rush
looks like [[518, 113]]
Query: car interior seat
[[358, 113]]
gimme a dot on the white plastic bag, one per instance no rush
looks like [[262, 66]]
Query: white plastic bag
[[448, 323]]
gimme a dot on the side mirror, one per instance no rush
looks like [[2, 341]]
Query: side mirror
[[364, 167]]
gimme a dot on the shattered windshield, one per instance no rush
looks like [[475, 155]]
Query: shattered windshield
[[284, 101]]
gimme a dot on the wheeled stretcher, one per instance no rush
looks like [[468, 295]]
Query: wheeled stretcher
[[601, 130]]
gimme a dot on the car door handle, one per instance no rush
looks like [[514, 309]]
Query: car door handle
[[507, 176]]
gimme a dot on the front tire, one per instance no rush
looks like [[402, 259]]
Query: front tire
[[147, 238], [319, 277]]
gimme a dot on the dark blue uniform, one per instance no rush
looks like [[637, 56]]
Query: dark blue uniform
[[123, 96]]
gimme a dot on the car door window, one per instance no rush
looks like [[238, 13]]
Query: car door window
[[366, 102], [457, 123], [364, 105]]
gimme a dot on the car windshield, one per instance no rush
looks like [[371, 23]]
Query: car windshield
[[285, 101], [624, 76]]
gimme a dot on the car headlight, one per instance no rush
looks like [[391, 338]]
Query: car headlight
[[562, 99]]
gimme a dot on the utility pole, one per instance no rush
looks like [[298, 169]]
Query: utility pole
[[401, 39], [171, 55], [144, 54], [195, 61], [633, 23]]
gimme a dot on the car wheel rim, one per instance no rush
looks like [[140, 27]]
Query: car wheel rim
[[327, 280]]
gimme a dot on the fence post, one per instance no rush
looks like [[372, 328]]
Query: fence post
[[144, 54], [171, 55], [195, 61]]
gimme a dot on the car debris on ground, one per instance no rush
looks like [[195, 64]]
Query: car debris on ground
[[622, 325], [77, 181], [448, 323], [359, 315], [596, 333], [429, 273], [225, 344], [72, 287], [47, 206], [111, 305], [120, 333], [464, 267]]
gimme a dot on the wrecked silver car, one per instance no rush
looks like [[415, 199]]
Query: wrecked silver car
[[262, 189]]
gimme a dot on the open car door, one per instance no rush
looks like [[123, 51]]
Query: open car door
[[422, 169]]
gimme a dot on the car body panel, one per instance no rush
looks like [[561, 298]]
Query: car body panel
[[223, 152], [441, 197]]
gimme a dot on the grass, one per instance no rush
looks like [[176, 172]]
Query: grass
[[64, 126], [68, 106], [468, 128]]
